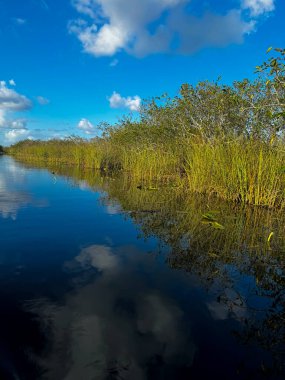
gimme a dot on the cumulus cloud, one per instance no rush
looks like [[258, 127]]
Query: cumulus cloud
[[87, 7], [151, 26], [86, 126], [12, 136], [258, 7], [131, 102], [42, 101], [214, 27], [10, 100], [17, 124], [2, 118], [15, 135]]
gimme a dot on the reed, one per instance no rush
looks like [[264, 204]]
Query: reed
[[248, 172], [243, 171]]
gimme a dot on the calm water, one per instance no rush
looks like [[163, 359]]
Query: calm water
[[102, 280]]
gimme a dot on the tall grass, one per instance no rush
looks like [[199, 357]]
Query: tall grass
[[144, 163], [73, 151], [245, 171], [249, 172]]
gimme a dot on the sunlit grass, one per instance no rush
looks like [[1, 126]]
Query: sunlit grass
[[247, 172], [243, 171]]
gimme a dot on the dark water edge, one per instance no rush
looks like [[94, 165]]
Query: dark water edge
[[100, 279]]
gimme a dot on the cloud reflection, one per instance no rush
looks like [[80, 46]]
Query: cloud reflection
[[98, 256], [11, 202], [12, 197], [119, 324]]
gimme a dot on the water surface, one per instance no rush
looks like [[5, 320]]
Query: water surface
[[100, 279]]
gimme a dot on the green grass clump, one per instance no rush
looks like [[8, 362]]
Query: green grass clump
[[243, 171]]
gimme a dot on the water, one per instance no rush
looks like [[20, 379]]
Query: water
[[102, 280]]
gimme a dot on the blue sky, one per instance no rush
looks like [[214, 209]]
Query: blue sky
[[66, 65]]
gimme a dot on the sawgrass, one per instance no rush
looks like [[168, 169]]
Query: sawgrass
[[248, 172]]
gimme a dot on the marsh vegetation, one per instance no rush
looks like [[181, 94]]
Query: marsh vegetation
[[215, 139]]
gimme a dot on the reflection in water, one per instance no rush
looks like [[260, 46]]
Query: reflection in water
[[238, 264], [213, 306], [11, 202], [97, 256], [12, 198], [116, 323]]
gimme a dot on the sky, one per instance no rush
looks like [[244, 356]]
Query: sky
[[67, 65]]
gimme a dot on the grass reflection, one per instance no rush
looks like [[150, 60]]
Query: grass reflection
[[237, 252]]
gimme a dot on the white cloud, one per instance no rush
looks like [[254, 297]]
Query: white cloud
[[10, 100], [131, 102], [42, 101], [107, 41], [86, 126], [16, 134], [150, 26], [12, 129], [17, 124], [87, 7], [2, 118], [258, 7]]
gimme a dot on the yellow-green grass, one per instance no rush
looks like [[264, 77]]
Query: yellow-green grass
[[244, 171]]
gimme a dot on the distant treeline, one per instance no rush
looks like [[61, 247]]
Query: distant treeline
[[211, 138]]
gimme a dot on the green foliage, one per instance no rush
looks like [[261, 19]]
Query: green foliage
[[247, 171], [211, 138]]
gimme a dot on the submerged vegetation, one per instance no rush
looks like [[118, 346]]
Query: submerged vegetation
[[213, 139]]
